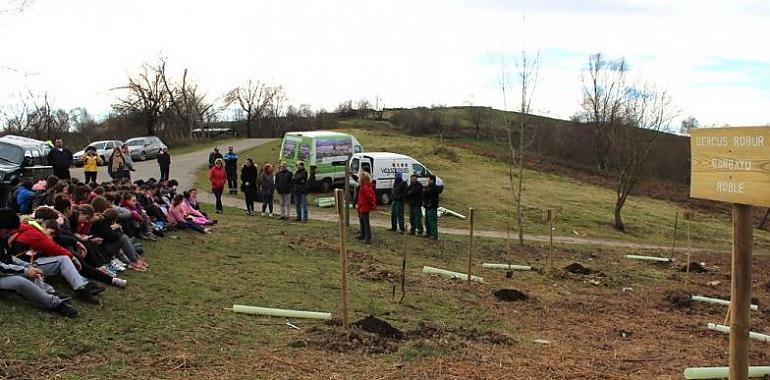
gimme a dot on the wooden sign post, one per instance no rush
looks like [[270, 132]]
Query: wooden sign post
[[470, 244], [550, 215], [676, 226], [689, 250], [339, 199], [730, 165]]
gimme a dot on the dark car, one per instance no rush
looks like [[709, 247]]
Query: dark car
[[22, 158]]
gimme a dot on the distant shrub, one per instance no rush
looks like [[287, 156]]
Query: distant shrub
[[445, 153]]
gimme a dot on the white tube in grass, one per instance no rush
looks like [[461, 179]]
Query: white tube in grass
[[718, 301], [726, 330], [506, 266], [450, 274], [648, 258], [281, 312], [721, 372]]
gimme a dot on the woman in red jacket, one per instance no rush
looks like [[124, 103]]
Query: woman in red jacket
[[218, 179], [365, 203]]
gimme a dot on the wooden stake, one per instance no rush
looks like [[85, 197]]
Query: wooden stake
[[470, 244], [339, 199], [403, 267], [551, 216], [689, 250], [740, 295], [676, 226]]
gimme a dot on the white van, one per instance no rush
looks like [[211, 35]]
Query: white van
[[383, 167]]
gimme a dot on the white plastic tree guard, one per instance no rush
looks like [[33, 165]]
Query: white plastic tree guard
[[726, 330], [450, 274], [718, 301], [281, 312], [649, 258], [721, 372], [506, 266]]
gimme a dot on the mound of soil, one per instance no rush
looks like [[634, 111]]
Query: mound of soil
[[428, 330], [510, 295], [766, 286], [379, 327], [356, 341], [678, 298], [694, 268], [579, 269], [375, 273]]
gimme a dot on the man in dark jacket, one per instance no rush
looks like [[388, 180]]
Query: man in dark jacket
[[430, 201], [397, 196], [60, 158], [164, 163], [283, 181], [414, 198], [213, 157], [18, 277], [299, 188], [231, 168]]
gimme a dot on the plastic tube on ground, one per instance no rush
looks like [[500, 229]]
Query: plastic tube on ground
[[721, 372], [450, 274], [726, 330], [649, 258], [281, 312], [718, 301], [506, 266]]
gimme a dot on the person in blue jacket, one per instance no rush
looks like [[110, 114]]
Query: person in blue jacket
[[24, 197], [231, 168]]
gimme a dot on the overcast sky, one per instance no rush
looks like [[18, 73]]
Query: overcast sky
[[711, 55]]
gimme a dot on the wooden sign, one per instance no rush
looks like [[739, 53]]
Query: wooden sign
[[731, 165]]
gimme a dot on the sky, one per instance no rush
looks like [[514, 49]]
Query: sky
[[711, 56]]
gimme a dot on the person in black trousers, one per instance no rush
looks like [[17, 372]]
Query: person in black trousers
[[249, 174], [60, 158], [164, 162], [231, 168]]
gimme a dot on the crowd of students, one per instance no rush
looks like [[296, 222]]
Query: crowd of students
[[88, 233]]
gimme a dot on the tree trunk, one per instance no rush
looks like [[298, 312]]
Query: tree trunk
[[618, 220], [248, 127], [519, 186]]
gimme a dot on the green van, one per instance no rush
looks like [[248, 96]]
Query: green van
[[319, 149]]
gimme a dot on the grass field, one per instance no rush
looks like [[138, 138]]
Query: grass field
[[208, 144], [171, 323], [480, 182]]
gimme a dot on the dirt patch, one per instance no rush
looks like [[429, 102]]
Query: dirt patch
[[355, 341], [484, 336], [694, 268], [510, 295], [576, 268], [678, 298], [374, 273], [379, 327], [766, 286]]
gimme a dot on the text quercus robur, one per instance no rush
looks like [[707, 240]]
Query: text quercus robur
[[731, 164]]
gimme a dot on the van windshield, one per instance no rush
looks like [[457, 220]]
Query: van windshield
[[11, 153]]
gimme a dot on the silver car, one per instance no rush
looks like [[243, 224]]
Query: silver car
[[103, 150], [142, 148]]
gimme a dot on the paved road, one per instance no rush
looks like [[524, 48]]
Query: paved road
[[184, 167]]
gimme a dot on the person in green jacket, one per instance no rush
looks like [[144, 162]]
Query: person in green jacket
[[430, 201], [397, 195], [414, 198]]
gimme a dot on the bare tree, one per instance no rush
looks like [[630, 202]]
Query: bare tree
[[189, 104], [35, 116], [603, 96], [254, 98], [688, 124], [646, 111], [479, 116], [146, 95]]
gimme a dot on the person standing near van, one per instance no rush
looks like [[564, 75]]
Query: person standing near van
[[267, 189], [414, 198], [91, 161], [430, 201], [397, 195], [60, 158], [366, 202], [300, 188], [231, 167], [164, 163], [283, 181]]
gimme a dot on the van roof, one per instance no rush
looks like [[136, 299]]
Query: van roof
[[316, 133], [22, 141], [384, 155]]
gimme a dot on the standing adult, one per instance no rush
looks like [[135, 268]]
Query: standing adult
[[249, 176], [218, 178], [430, 201], [283, 181], [414, 198], [60, 158], [231, 167], [116, 165], [91, 161], [299, 188], [128, 162], [164, 163], [366, 202], [397, 195], [267, 189], [213, 156]]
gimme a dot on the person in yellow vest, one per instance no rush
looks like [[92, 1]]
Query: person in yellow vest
[[91, 162]]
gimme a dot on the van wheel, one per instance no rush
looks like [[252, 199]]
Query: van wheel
[[385, 198], [326, 185]]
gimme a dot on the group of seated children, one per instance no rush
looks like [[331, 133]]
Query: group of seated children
[[86, 233]]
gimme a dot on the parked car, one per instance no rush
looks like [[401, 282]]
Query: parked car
[[142, 148], [22, 158], [383, 167], [103, 150]]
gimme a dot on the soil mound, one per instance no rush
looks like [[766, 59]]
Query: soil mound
[[510, 295], [578, 269], [694, 268], [678, 298], [377, 326]]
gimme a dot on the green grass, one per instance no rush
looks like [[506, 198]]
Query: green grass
[[480, 182], [208, 144]]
